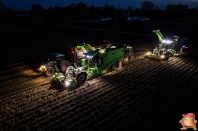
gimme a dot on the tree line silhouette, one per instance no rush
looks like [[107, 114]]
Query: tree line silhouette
[[80, 11]]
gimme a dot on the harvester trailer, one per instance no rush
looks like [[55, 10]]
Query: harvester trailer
[[95, 63]]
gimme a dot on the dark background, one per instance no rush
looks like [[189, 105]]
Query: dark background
[[145, 95]]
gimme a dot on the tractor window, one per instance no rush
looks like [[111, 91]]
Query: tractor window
[[60, 58], [51, 58], [94, 61]]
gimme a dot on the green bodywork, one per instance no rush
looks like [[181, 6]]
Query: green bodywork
[[173, 46], [159, 34], [102, 62], [95, 63], [85, 48]]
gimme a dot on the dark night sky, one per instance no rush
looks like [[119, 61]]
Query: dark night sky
[[27, 4]]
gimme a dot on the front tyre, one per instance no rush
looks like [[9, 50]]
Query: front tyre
[[81, 78], [167, 55], [49, 72]]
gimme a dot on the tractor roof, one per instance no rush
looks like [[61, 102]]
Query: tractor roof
[[93, 53], [58, 54]]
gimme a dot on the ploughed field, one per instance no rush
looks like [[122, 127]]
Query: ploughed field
[[144, 95]]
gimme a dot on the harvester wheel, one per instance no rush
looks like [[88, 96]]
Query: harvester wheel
[[81, 78], [129, 58], [167, 55], [49, 72], [115, 66], [64, 65]]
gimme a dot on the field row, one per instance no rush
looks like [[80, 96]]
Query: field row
[[133, 98], [114, 93]]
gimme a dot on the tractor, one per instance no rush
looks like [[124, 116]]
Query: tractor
[[56, 63], [167, 47]]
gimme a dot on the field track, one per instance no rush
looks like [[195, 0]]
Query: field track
[[144, 95]]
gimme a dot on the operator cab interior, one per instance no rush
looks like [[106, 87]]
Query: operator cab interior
[[56, 57], [93, 58]]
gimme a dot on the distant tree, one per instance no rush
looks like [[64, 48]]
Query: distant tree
[[72, 11], [113, 12], [58, 12], [93, 13], [106, 10], [129, 9], [37, 8], [99, 12], [36, 12], [82, 11], [156, 8], [147, 6], [2, 6]]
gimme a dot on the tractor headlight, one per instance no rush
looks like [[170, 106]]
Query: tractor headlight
[[162, 56], [126, 59], [89, 56], [148, 53], [167, 41], [68, 83], [42, 68]]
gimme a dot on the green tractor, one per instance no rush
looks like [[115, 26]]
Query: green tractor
[[94, 64], [167, 47], [56, 63]]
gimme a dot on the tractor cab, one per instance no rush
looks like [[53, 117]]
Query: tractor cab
[[92, 59], [56, 58], [56, 63]]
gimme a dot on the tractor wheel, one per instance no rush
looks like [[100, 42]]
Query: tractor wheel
[[49, 72], [115, 66], [81, 78], [167, 55], [129, 58], [64, 65]]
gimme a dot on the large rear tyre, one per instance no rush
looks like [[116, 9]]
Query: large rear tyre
[[115, 66], [64, 65], [81, 78], [167, 55], [49, 72]]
